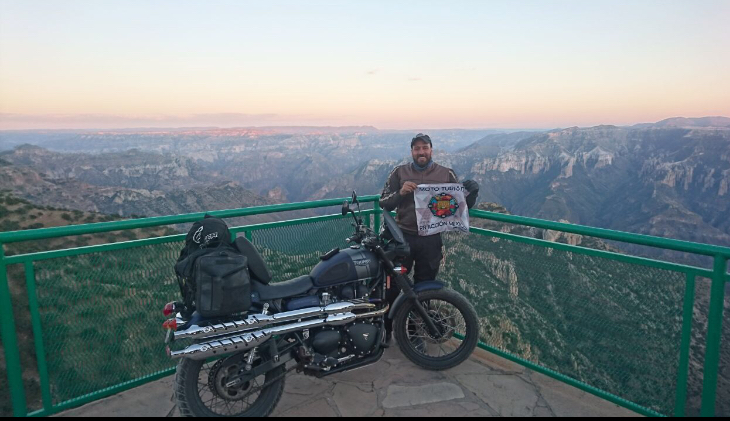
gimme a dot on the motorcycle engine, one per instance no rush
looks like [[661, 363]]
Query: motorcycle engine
[[362, 338], [334, 346]]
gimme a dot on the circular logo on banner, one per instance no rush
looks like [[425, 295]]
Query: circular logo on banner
[[443, 205]]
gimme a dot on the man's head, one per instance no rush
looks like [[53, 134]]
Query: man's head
[[422, 149]]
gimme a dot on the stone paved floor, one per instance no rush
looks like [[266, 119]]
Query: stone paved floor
[[484, 386]]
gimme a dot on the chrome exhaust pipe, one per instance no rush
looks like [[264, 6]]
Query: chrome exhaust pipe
[[378, 313], [240, 343], [258, 321]]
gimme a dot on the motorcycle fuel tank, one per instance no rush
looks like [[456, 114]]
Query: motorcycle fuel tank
[[348, 265]]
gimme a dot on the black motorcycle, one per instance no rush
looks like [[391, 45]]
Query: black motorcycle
[[328, 322]]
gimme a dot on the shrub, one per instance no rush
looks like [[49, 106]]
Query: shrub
[[9, 225]]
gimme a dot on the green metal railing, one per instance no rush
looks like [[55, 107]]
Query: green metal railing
[[718, 276], [523, 287]]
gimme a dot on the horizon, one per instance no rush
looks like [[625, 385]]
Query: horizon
[[105, 65], [351, 127]]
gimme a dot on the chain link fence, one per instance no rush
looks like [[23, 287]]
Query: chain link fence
[[292, 251], [723, 387], [101, 312], [614, 326], [101, 317]]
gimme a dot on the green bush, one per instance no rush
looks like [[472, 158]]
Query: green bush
[[6, 409], [169, 231], [9, 226], [128, 235]]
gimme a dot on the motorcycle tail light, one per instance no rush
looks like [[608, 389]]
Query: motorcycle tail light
[[172, 308], [170, 324], [169, 309]]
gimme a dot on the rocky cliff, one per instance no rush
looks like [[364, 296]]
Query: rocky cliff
[[665, 182], [132, 183]]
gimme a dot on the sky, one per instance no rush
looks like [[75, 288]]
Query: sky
[[389, 64]]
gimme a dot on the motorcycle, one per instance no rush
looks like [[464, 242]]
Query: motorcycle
[[328, 322]]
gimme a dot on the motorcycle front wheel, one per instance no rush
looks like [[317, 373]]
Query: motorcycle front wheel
[[458, 326], [205, 389]]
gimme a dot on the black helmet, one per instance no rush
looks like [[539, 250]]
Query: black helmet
[[423, 138]]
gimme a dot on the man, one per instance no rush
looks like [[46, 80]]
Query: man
[[426, 252]]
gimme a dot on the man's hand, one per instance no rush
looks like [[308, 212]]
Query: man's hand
[[408, 188], [471, 186]]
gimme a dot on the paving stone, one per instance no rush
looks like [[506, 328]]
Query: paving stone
[[405, 396], [567, 401], [496, 362], [420, 412], [300, 390], [149, 400], [510, 396], [543, 412], [306, 385], [490, 386], [470, 367], [352, 401], [401, 371], [449, 409], [470, 406], [319, 408]]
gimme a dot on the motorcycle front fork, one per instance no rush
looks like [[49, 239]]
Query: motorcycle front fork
[[407, 289], [412, 298]]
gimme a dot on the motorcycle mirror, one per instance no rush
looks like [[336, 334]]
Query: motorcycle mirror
[[345, 208]]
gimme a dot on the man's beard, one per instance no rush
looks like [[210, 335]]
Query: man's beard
[[428, 161]]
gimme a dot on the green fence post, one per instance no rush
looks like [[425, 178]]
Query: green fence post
[[714, 336], [10, 342], [40, 350], [376, 218], [683, 374]]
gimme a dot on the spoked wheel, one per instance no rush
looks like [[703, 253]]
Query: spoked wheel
[[456, 321], [216, 389]]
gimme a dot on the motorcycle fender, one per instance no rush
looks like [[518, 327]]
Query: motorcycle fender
[[418, 288]]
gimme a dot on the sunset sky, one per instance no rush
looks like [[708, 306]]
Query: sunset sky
[[389, 64]]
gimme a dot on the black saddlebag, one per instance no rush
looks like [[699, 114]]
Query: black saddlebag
[[223, 284]]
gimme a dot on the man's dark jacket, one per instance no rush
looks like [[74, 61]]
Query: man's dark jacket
[[392, 199]]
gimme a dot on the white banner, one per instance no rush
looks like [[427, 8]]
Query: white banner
[[440, 208]]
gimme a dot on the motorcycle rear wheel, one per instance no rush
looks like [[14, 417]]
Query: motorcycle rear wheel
[[200, 392], [456, 320]]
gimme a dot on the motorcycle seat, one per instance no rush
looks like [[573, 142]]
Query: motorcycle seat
[[286, 289]]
